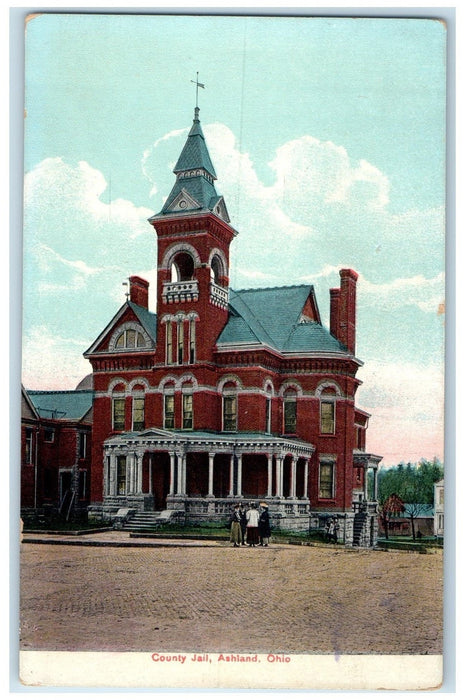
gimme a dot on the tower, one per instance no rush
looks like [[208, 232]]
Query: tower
[[194, 235]]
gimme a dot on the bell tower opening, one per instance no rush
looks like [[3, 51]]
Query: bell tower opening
[[182, 268]]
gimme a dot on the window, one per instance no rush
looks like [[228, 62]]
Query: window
[[169, 343], [268, 415], [119, 412], [290, 411], [130, 338], [327, 417], [138, 413], [168, 419], [49, 435], [230, 413], [326, 480], [192, 341], [121, 475], [28, 448], [180, 342], [82, 445], [187, 412]]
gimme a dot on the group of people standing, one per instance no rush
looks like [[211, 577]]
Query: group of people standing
[[250, 526]]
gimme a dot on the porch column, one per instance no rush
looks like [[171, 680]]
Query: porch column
[[375, 483], [129, 472], [270, 476], [139, 456], [239, 475], [150, 472], [279, 476], [112, 485], [181, 472], [179, 459], [172, 460], [293, 476], [306, 468], [231, 475], [365, 483], [211, 458]]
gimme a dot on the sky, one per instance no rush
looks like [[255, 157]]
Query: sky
[[328, 140]]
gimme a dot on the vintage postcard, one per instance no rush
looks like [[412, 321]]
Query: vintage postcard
[[232, 401]]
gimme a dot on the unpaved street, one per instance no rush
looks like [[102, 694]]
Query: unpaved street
[[215, 598]]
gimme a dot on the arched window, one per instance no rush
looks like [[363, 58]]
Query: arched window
[[192, 339], [290, 411], [182, 267], [269, 394], [118, 411], [328, 410], [138, 409], [187, 407], [130, 338], [216, 269], [230, 407], [168, 406]]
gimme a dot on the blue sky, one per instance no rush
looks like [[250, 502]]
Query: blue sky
[[328, 139]]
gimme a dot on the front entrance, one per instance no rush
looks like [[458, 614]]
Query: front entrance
[[157, 473]]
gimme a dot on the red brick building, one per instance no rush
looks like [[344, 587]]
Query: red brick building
[[56, 433], [227, 395]]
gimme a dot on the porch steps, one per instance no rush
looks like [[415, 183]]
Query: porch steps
[[142, 521]]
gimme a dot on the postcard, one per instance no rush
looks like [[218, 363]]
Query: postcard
[[232, 400]]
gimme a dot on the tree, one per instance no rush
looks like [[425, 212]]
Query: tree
[[391, 506], [405, 479]]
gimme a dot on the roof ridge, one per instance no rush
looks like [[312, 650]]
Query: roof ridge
[[265, 289], [60, 391]]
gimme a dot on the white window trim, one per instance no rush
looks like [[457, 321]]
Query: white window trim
[[324, 461]]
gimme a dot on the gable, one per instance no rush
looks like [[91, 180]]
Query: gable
[[129, 317]]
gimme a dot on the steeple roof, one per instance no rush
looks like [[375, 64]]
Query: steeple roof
[[194, 189], [195, 152]]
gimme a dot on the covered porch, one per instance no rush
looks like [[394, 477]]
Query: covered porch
[[203, 474]]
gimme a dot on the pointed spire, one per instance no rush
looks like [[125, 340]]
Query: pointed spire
[[194, 189], [194, 155]]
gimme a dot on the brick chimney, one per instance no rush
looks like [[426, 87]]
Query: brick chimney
[[334, 295], [139, 291], [347, 308]]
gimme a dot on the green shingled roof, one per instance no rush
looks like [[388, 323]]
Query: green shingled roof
[[147, 319], [67, 405], [195, 152], [201, 189], [272, 317]]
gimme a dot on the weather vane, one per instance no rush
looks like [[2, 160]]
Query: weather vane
[[197, 85], [126, 291]]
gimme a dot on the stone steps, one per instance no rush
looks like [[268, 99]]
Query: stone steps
[[143, 521]]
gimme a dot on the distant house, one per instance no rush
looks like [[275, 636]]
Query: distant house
[[423, 517], [439, 508], [55, 451]]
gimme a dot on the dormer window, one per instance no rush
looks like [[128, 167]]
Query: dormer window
[[130, 338]]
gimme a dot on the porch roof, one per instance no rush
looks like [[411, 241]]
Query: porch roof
[[204, 441]]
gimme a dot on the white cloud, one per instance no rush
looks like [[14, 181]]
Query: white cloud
[[426, 294], [52, 362]]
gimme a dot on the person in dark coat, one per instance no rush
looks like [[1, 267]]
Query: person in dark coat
[[264, 528], [235, 536], [243, 513]]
